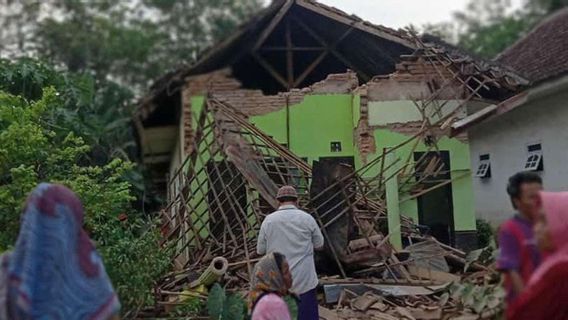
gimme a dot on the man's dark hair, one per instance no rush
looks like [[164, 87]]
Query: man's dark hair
[[518, 179], [287, 199], [279, 258]]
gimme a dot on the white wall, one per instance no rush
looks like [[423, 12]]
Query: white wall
[[400, 111], [505, 139]]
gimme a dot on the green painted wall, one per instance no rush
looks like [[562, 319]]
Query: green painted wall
[[320, 119], [462, 188], [314, 124], [274, 124]]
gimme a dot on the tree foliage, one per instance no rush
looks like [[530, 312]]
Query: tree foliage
[[73, 127], [221, 306], [131, 41], [37, 145], [98, 110], [487, 27]]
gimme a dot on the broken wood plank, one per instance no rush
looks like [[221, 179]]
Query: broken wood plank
[[425, 314], [438, 276], [364, 302], [382, 316], [332, 292], [406, 290], [326, 314], [404, 313]]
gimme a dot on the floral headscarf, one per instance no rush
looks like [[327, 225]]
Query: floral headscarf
[[55, 271], [267, 278]]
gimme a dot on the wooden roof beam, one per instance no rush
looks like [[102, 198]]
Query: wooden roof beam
[[275, 21], [270, 69], [375, 30], [331, 47]]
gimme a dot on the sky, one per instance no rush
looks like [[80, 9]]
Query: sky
[[401, 13]]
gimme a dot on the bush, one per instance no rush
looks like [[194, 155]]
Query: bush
[[485, 233], [221, 306], [31, 151]]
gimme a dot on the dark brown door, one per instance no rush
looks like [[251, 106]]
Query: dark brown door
[[435, 208]]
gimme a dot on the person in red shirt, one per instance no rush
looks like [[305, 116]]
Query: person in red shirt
[[546, 294], [519, 255]]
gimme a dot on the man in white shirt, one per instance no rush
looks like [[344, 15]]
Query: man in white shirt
[[296, 235]]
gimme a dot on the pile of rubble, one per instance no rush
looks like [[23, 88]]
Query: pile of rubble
[[233, 179], [426, 290]]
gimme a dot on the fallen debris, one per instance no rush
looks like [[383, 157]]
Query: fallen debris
[[212, 274]]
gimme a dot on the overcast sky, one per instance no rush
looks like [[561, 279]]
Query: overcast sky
[[401, 13]]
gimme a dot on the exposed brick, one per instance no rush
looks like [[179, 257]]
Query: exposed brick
[[222, 86], [364, 137], [415, 79], [336, 83]]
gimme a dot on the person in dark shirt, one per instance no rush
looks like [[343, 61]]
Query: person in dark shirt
[[519, 255]]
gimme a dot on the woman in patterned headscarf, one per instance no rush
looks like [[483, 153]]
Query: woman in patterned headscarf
[[54, 271], [271, 282]]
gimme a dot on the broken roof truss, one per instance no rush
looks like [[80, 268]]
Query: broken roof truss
[[227, 184]]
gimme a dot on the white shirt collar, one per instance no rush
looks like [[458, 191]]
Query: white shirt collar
[[287, 206]]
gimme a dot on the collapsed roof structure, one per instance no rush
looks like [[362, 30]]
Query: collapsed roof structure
[[231, 169], [293, 44], [227, 185]]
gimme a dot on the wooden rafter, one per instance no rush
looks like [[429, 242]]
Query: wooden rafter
[[320, 58], [331, 47], [275, 21], [311, 68], [268, 67], [289, 56], [294, 48], [366, 27]]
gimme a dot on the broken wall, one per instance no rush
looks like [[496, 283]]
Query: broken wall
[[338, 118], [397, 108], [310, 127]]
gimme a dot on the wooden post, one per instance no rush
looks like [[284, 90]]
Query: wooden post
[[289, 56], [393, 209]]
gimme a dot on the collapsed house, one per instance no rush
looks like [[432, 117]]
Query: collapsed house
[[355, 116]]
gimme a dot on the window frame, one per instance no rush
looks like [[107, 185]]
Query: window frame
[[483, 170], [534, 158]]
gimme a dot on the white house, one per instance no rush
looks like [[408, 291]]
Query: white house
[[528, 131]]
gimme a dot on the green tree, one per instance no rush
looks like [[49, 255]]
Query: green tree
[[97, 111], [113, 50], [31, 151], [131, 41], [487, 27]]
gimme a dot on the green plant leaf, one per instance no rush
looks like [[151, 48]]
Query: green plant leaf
[[479, 304], [292, 306], [216, 302], [468, 295], [234, 308]]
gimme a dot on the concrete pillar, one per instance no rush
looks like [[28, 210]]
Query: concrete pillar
[[393, 208]]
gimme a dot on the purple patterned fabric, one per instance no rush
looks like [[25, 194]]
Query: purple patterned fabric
[[510, 250], [517, 252], [54, 271]]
